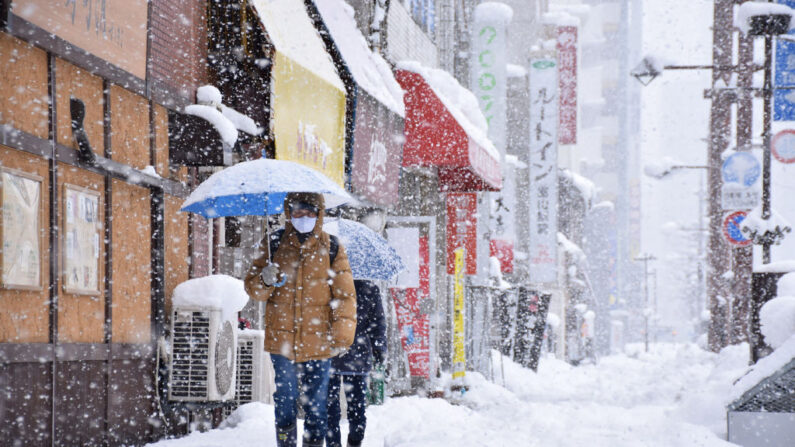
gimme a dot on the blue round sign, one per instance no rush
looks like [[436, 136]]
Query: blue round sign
[[742, 168]]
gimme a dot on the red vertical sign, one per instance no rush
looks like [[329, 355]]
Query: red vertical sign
[[462, 229], [415, 326], [567, 81]]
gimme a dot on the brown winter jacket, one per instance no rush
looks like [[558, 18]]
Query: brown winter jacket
[[313, 314]]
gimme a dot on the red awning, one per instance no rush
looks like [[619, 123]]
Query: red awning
[[434, 138]]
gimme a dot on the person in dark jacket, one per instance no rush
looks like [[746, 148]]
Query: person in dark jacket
[[352, 368]]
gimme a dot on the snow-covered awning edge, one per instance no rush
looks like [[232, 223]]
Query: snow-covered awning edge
[[466, 111], [746, 386], [750, 9]]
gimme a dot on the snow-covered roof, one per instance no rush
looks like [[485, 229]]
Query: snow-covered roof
[[370, 71], [293, 34], [220, 292], [461, 102], [773, 267], [750, 9], [493, 12], [764, 368]]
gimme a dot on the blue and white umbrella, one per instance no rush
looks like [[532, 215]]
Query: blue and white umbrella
[[369, 254], [258, 188]]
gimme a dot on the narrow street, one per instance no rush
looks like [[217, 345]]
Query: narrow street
[[671, 396]]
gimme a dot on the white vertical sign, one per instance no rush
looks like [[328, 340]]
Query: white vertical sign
[[543, 170], [488, 79]]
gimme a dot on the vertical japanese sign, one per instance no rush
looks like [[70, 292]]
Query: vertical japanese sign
[[503, 220], [488, 78], [567, 68], [414, 325], [462, 218], [784, 99], [543, 170], [459, 354], [21, 253]]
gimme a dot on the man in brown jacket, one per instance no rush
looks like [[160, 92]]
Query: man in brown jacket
[[310, 314]]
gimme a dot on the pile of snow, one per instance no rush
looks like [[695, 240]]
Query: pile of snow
[[674, 395], [559, 18], [777, 316], [461, 103], [209, 95], [370, 71], [756, 228], [220, 292], [661, 168], [226, 129], [493, 12], [571, 248], [586, 187], [750, 9]]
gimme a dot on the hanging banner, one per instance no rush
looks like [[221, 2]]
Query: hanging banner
[[462, 208], [413, 323], [459, 353], [567, 68], [81, 241], [21, 254], [543, 192], [503, 219], [488, 80]]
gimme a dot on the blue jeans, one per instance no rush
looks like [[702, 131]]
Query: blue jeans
[[313, 376], [356, 394]]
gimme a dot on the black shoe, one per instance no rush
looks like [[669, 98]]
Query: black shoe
[[354, 443], [310, 443], [287, 436]]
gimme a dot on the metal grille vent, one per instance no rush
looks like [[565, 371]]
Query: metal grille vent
[[225, 358], [191, 348], [776, 394], [244, 392]]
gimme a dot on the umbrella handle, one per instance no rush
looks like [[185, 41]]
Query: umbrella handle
[[267, 232]]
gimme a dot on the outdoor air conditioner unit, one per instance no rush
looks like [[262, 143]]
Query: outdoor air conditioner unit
[[203, 355], [251, 383]]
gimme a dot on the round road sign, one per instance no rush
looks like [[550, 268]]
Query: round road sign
[[742, 168], [731, 229], [782, 146]]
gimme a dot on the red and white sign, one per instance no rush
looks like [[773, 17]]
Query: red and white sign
[[503, 251], [414, 326], [782, 146], [567, 81], [462, 226], [732, 229]]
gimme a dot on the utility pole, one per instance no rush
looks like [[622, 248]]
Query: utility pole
[[719, 132], [742, 257], [645, 259]]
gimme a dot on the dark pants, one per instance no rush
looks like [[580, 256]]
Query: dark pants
[[313, 376], [355, 393]]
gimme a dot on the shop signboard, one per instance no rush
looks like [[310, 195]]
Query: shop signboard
[[112, 30], [462, 209], [784, 98], [459, 353], [567, 68], [21, 219], [81, 240], [307, 96], [410, 299], [377, 151], [543, 192], [488, 79]]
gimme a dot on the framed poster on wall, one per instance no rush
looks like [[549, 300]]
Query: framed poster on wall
[[81, 240], [21, 253]]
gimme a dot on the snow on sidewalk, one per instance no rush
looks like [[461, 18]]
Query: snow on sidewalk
[[673, 396]]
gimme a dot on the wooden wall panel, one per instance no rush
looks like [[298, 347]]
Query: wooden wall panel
[[26, 404], [131, 402], [73, 81], [132, 240], [129, 118], [23, 83], [81, 403], [24, 314], [161, 141], [177, 244]]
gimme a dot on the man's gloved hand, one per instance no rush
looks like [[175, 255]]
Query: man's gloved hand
[[270, 274]]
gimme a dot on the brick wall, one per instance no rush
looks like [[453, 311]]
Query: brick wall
[[179, 45]]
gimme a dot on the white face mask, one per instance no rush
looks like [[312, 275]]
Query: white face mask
[[304, 224]]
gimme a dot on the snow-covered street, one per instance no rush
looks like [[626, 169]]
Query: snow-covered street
[[672, 396]]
